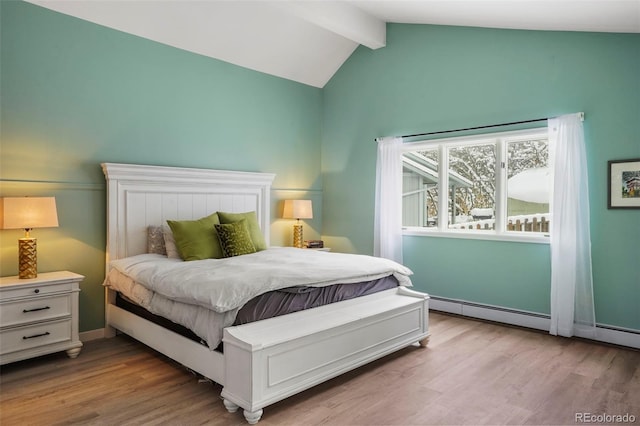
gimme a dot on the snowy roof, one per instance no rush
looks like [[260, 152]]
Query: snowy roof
[[428, 169], [480, 212], [531, 185]]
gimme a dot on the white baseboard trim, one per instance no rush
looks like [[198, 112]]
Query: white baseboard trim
[[87, 336], [615, 335], [604, 333]]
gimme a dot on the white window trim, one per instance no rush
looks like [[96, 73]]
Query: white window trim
[[500, 233]]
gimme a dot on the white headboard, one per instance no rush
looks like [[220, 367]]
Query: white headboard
[[141, 195]]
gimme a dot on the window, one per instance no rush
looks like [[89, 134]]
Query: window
[[496, 184]]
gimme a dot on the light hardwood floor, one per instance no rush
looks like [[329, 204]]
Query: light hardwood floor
[[472, 373]]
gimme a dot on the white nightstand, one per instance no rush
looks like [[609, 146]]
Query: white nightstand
[[318, 249], [39, 315]]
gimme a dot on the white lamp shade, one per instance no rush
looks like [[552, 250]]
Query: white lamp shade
[[28, 212], [297, 209]]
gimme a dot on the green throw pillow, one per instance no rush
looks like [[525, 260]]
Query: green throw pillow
[[252, 226], [197, 239], [235, 239]]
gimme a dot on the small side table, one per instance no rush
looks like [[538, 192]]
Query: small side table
[[39, 316]]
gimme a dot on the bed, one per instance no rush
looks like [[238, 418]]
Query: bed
[[264, 361]]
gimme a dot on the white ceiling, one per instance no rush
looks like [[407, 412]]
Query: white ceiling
[[308, 41]]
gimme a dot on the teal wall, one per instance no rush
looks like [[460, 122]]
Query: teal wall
[[75, 94], [431, 78]]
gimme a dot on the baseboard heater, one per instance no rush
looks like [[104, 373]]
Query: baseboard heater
[[604, 333]]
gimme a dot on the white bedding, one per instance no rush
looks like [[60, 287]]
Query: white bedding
[[205, 295], [227, 284], [205, 323]]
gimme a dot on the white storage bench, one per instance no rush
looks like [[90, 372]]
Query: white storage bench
[[269, 360]]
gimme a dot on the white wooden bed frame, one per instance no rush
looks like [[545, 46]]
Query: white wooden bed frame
[[265, 361]]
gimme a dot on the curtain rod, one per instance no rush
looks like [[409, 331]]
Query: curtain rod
[[481, 127]]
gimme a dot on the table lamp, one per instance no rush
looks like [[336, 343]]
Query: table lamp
[[28, 213], [297, 209]]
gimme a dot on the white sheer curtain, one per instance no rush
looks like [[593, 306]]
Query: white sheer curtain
[[387, 240], [572, 309]]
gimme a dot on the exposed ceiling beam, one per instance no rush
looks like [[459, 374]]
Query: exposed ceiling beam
[[340, 18], [308, 40]]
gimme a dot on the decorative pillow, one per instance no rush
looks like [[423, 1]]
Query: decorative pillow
[[196, 239], [252, 226], [170, 243], [235, 239], [155, 240]]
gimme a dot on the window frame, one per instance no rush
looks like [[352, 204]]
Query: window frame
[[501, 141]]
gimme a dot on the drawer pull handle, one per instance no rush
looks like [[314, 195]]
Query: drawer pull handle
[[46, 333], [36, 309]]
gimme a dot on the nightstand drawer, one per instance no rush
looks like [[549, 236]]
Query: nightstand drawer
[[35, 290], [39, 315], [31, 310], [20, 338]]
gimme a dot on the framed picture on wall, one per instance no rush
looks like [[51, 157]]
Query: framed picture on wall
[[624, 184]]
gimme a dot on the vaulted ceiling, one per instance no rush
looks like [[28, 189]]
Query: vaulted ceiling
[[308, 41]]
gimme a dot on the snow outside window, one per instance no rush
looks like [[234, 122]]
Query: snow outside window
[[496, 184]]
